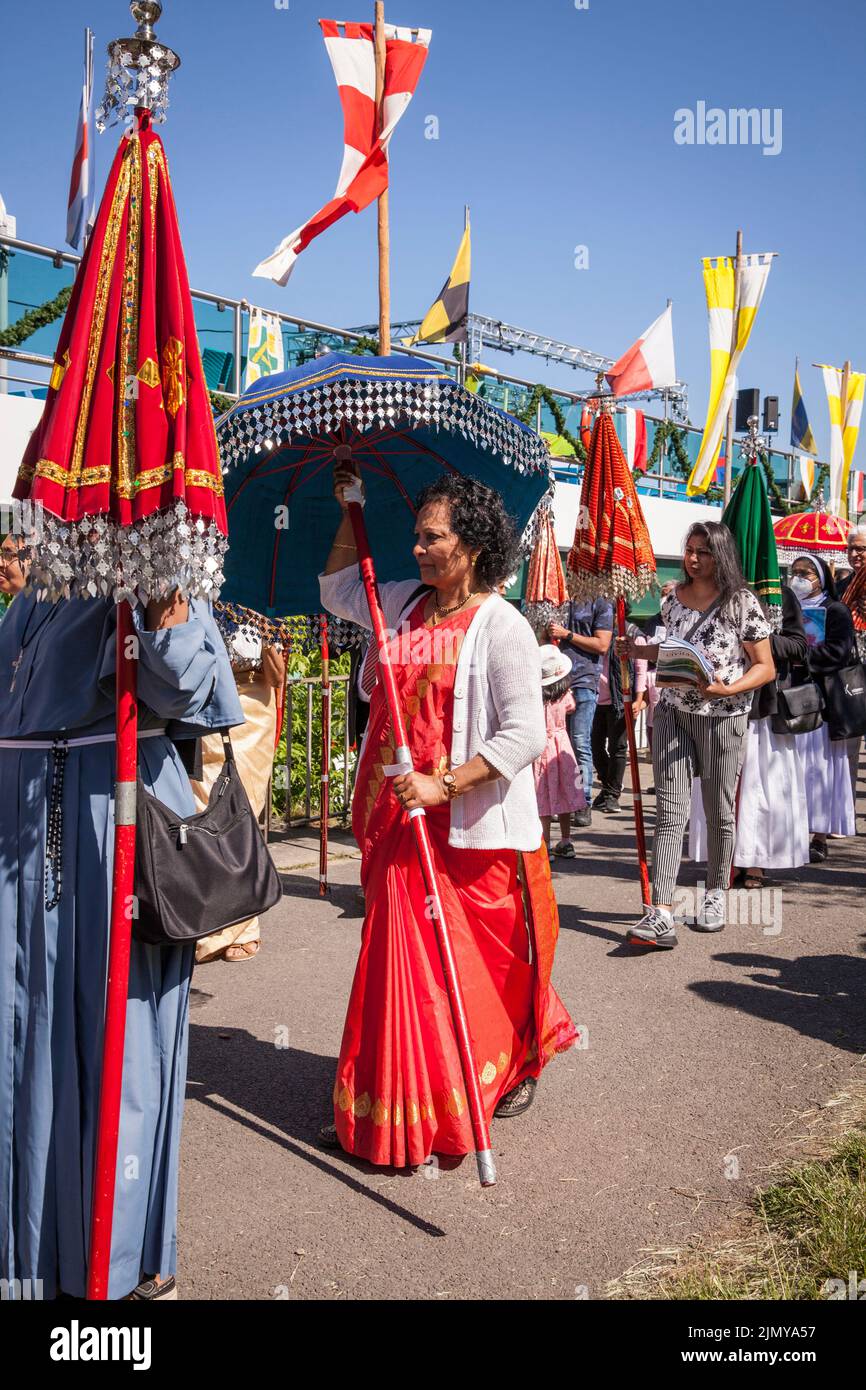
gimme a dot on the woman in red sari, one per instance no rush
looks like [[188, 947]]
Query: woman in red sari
[[468, 673]]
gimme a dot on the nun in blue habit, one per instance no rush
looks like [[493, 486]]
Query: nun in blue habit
[[56, 843]]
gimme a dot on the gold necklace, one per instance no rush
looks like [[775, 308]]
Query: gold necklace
[[439, 613]]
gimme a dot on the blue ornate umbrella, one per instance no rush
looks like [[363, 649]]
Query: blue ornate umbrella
[[406, 421]]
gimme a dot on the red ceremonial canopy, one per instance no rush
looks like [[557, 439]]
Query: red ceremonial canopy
[[125, 459], [546, 592], [612, 555], [814, 533]]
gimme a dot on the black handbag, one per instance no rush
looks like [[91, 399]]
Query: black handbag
[[798, 709], [845, 701], [197, 874]]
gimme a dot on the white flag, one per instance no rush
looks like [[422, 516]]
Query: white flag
[[265, 356]]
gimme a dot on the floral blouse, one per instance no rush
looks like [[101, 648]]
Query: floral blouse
[[721, 640]]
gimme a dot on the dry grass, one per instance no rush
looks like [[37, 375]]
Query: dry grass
[[807, 1225]]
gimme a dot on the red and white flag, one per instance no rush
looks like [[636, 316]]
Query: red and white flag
[[364, 175], [81, 209], [649, 362], [635, 440]]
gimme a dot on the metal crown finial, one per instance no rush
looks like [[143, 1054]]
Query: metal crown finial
[[145, 13], [139, 69]]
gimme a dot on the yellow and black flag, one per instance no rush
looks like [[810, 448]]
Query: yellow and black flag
[[445, 321]]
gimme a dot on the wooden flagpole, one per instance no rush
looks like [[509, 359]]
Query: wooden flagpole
[[384, 229]]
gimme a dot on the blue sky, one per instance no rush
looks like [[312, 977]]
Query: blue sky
[[555, 125]]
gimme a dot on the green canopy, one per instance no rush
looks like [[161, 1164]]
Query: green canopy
[[747, 516]]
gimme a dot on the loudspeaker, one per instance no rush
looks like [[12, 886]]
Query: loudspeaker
[[771, 414], [748, 403]]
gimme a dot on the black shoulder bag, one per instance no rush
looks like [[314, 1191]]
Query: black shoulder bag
[[845, 700], [197, 874], [799, 709]]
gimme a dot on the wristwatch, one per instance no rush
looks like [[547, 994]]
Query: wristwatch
[[449, 781]]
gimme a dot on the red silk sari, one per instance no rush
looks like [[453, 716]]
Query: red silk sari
[[399, 1092]]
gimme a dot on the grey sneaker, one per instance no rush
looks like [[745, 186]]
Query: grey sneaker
[[712, 915], [655, 928], [581, 818]]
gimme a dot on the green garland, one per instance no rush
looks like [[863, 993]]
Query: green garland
[[543, 395], [791, 508], [219, 403], [668, 431], [34, 319]]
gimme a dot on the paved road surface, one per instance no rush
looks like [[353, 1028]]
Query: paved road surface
[[697, 1061]]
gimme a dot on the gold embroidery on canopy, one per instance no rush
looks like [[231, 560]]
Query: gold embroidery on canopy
[[197, 477], [128, 355], [148, 372], [173, 376], [45, 468], [100, 302], [155, 162], [155, 477], [58, 372]]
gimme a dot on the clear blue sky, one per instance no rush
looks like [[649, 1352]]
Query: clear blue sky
[[556, 125]]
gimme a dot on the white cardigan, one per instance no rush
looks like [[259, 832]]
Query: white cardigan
[[498, 710]]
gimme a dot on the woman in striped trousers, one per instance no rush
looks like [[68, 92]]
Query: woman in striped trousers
[[699, 731]]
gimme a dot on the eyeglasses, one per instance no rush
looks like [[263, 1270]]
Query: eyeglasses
[[857, 549], [699, 554], [9, 557]]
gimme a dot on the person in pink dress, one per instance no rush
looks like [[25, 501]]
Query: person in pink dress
[[558, 783]]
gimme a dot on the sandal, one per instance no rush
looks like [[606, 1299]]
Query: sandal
[[564, 850], [818, 851], [247, 949], [327, 1137], [149, 1290], [518, 1100]]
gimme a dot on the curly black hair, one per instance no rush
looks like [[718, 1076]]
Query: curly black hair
[[480, 522]]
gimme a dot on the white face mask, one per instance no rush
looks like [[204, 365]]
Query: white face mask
[[801, 585]]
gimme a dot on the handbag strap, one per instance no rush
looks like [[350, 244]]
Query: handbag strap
[[227, 746]]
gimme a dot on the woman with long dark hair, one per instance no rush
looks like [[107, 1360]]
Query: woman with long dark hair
[[468, 670], [699, 730]]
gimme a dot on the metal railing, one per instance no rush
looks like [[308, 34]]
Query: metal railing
[[307, 808]]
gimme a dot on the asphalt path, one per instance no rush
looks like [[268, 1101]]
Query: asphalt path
[[697, 1064]]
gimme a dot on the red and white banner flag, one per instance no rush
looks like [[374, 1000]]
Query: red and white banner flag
[[364, 175], [635, 440], [649, 362], [81, 208]]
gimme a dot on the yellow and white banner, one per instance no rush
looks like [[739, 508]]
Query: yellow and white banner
[[844, 428], [807, 474], [725, 299], [265, 356]]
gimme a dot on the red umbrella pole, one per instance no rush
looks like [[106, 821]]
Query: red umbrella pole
[[402, 757], [325, 799], [117, 988], [640, 833]]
